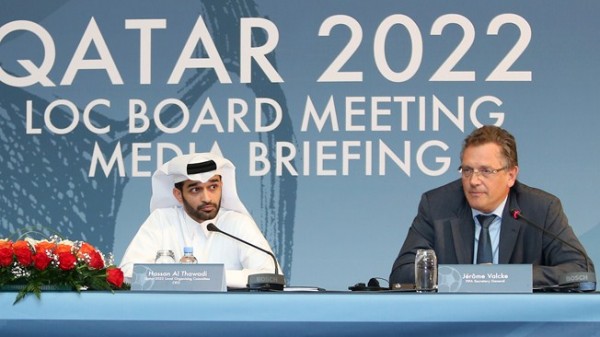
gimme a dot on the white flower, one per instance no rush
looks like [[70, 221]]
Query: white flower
[[66, 242]]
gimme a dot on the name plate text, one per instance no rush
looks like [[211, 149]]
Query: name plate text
[[179, 277], [485, 278]]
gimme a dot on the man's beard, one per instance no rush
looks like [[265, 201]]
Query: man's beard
[[199, 215]]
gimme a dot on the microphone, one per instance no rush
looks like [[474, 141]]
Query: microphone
[[372, 285], [264, 281], [578, 281]]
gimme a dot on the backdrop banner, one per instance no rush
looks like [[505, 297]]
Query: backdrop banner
[[337, 115]]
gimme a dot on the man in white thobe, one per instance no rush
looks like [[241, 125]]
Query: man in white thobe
[[188, 193]]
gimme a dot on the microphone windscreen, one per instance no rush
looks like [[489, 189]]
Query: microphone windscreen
[[373, 282], [515, 213]]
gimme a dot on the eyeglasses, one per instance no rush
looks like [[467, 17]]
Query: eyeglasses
[[467, 172]]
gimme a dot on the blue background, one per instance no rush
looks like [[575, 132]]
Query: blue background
[[328, 231]]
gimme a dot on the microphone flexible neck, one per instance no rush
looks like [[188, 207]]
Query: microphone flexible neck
[[213, 228], [515, 213]]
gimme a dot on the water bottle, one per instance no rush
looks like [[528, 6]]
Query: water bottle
[[164, 256], [188, 256], [426, 274]]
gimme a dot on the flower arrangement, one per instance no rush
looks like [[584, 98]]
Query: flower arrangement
[[33, 265]]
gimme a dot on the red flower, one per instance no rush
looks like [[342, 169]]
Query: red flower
[[41, 261], [114, 276], [95, 260], [6, 253], [23, 253], [76, 264], [66, 261]]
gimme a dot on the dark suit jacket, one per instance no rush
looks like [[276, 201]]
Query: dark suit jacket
[[445, 223]]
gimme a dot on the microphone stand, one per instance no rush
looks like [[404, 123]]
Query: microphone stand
[[575, 281], [262, 281]]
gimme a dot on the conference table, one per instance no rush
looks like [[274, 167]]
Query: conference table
[[130, 313]]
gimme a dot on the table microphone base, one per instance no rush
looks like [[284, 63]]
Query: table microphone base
[[266, 282], [579, 281]]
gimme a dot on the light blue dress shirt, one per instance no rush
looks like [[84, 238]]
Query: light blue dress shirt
[[494, 230]]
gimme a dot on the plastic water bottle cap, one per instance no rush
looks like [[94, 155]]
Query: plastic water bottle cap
[[188, 250]]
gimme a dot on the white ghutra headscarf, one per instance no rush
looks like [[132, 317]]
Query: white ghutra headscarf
[[195, 166]]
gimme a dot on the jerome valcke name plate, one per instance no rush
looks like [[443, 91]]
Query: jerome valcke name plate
[[485, 278], [179, 277]]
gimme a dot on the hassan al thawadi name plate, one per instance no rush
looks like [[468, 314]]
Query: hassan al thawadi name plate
[[179, 277]]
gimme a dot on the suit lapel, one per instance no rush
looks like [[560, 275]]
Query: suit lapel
[[509, 230], [463, 233]]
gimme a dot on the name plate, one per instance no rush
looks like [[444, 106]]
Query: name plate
[[178, 277], [485, 278]]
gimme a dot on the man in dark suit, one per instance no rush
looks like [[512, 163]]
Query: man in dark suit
[[448, 222]]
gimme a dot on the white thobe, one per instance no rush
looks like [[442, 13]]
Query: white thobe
[[173, 229]]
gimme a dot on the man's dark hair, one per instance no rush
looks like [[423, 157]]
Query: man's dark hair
[[493, 134], [179, 186]]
